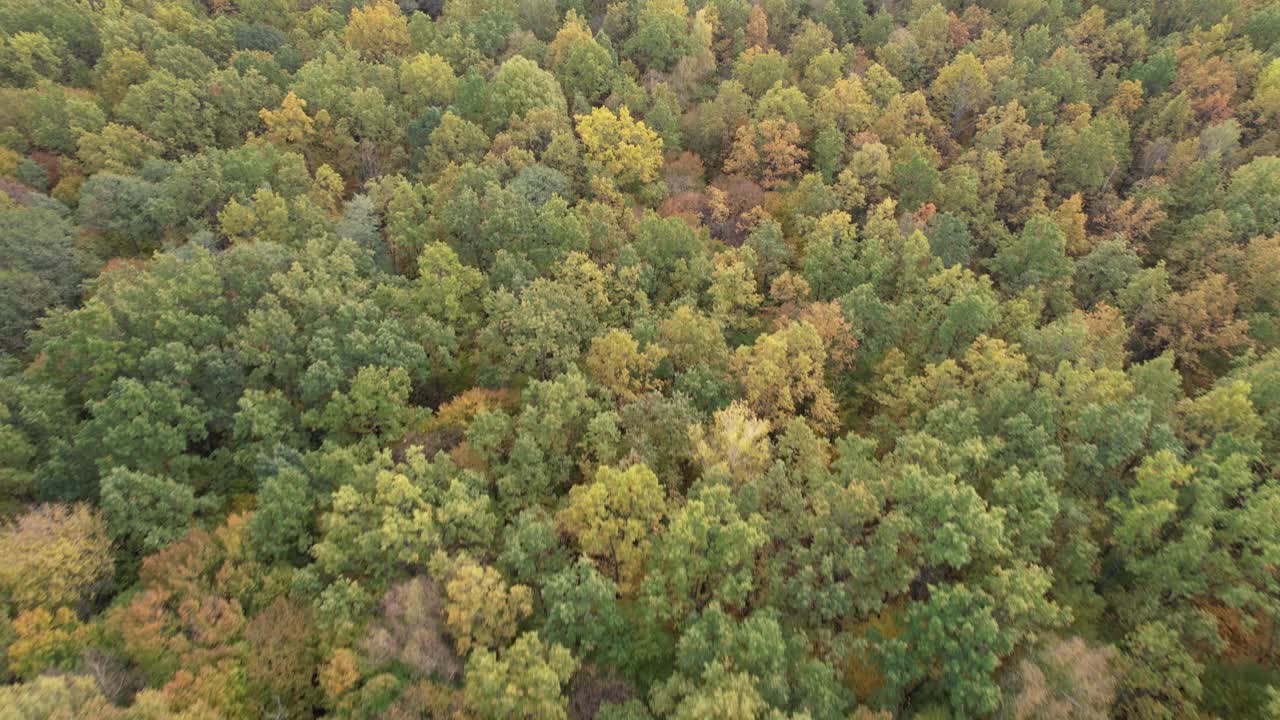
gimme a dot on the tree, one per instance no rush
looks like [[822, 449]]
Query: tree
[[57, 697], [583, 614], [151, 427], [772, 671], [42, 268], [116, 148], [524, 682], [455, 140], [427, 80], [144, 512], [168, 109], [290, 125], [543, 331], [121, 209], [378, 31], [1037, 257], [760, 70], [376, 530], [616, 362], [448, 290], [620, 148], [411, 630], [768, 150], [733, 294], [584, 66], [614, 518], [845, 105], [482, 612], [266, 218], [961, 92], [1091, 153], [722, 694], [963, 662], [1250, 201], [486, 25], [1200, 325], [58, 555], [520, 86], [282, 524], [737, 444], [782, 377], [283, 660], [45, 642], [707, 554], [1063, 678], [1161, 678], [375, 406], [662, 34]]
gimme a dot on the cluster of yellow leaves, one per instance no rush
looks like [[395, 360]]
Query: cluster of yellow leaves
[[378, 31], [613, 519], [737, 444], [53, 556], [616, 362], [44, 641], [482, 611], [621, 147], [782, 377], [290, 124], [266, 217]]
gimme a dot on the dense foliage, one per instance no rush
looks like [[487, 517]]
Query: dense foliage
[[644, 359]]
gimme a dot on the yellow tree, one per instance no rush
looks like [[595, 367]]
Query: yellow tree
[[961, 92], [427, 80], [692, 338], [758, 28], [616, 362], [733, 288], [620, 147], [614, 518], [266, 217], [45, 641], [290, 125], [737, 444], [53, 555], [782, 377], [378, 31], [481, 610]]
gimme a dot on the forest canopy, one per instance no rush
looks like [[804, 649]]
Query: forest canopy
[[634, 360]]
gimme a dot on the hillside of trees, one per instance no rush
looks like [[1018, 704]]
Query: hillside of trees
[[640, 359]]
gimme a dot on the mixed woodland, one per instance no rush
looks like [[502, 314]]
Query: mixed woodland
[[639, 359]]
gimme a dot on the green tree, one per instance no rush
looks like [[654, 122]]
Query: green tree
[[583, 614], [520, 86], [1250, 198], [168, 109], [662, 34], [144, 512], [1036, 258], [707, 554], [585, 68], [42, 268], [377, 530]]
